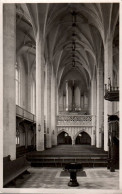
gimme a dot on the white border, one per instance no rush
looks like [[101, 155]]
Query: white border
[[71, 191]]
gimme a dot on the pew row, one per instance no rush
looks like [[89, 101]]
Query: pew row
[[14, 168]]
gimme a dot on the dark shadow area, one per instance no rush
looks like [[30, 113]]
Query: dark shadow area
[[64, 138], [83, 138]]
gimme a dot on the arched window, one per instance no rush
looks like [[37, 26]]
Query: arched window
[[17, 80]]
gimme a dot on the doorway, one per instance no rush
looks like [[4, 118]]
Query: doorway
[[64, 138], [83, 138]]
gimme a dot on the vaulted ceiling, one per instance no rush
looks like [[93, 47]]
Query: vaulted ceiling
[[73, 34]]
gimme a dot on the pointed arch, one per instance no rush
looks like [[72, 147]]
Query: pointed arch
[[82, 130]]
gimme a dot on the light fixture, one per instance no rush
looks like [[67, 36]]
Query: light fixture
[[39, 127]]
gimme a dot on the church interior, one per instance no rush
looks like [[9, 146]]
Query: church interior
[[60, 94]]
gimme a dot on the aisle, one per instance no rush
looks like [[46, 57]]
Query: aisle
[[97, 178]]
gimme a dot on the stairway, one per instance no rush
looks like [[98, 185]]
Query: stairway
[[89, 156]]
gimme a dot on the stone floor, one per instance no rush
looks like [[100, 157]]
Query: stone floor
[[48, 177]]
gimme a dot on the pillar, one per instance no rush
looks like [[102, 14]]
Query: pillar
[[29, 82], [34, 97], [67, 98], [48, 105], [108, 72], [70, 97], [64, 102], [100, 106], [93, 108], [82, 102], [73, 141], [39, 94], [57, 100], [53, 109], [9, 61], [77, 98], [34, 128], [56, 104]]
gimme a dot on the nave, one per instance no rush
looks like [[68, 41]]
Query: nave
[[61, 155], [60, 93]]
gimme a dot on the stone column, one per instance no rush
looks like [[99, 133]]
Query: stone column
[[64, 103], [57, 100], [39, 94], [67, 97], [93, 108], [100, 106], [70, 97], [55, 134], [34, 133], [89, 99], [48, 105], [77, 98], [82, 102], [73, 141], [9, 61], [29, 81], [108, 72], [53, 109], [34, 99], [93, 136]]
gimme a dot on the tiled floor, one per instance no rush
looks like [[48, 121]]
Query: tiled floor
[[96, 178]]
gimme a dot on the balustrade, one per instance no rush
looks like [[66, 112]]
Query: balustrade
[[75, 120], [20, 112]]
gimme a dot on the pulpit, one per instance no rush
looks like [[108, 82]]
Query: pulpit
[[113, 143]]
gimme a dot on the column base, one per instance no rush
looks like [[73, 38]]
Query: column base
[[73, 183], [73, 180]]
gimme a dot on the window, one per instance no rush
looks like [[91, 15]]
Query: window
[[17, 137], [17, 80]]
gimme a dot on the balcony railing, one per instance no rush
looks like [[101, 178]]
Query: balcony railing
[[111, 93], [20, 112], [75, 120]]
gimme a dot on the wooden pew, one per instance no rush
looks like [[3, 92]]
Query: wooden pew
[[13, 168], [6, 159], [113, 143], [20, 151]]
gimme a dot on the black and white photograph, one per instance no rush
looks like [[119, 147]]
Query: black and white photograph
[[60, 97]]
